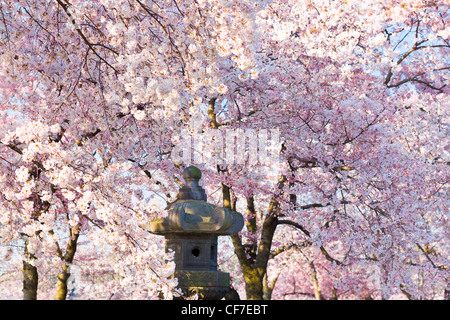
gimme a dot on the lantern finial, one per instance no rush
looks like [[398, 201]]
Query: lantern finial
[[192, 190]]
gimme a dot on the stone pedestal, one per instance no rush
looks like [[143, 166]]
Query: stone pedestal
[[209, 285]]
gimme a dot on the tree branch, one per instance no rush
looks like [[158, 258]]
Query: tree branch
[[211, 113], [295, 224], [428, 257], [306, 232], [86, 41], [285, 248], [415, 47]]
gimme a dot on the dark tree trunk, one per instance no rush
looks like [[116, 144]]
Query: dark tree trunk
[[30, 281], [61, 285]]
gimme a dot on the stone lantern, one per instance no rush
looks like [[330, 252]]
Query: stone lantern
[[191, 229]]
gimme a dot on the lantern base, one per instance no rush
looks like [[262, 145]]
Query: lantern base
[[209, 285]]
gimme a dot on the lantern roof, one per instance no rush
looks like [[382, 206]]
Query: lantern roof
[[190, 213]]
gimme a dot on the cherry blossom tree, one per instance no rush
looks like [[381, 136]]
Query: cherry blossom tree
[[96, 95]]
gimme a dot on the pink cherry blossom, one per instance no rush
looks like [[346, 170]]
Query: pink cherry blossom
[[97, 95]]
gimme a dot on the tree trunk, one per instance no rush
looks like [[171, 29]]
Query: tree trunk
[[254, 264], [315, 281], [254, 283], [254, 258], [256, 286], [61, 285], [30, 281], [447, 292], [30, 276], [268, 288]]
